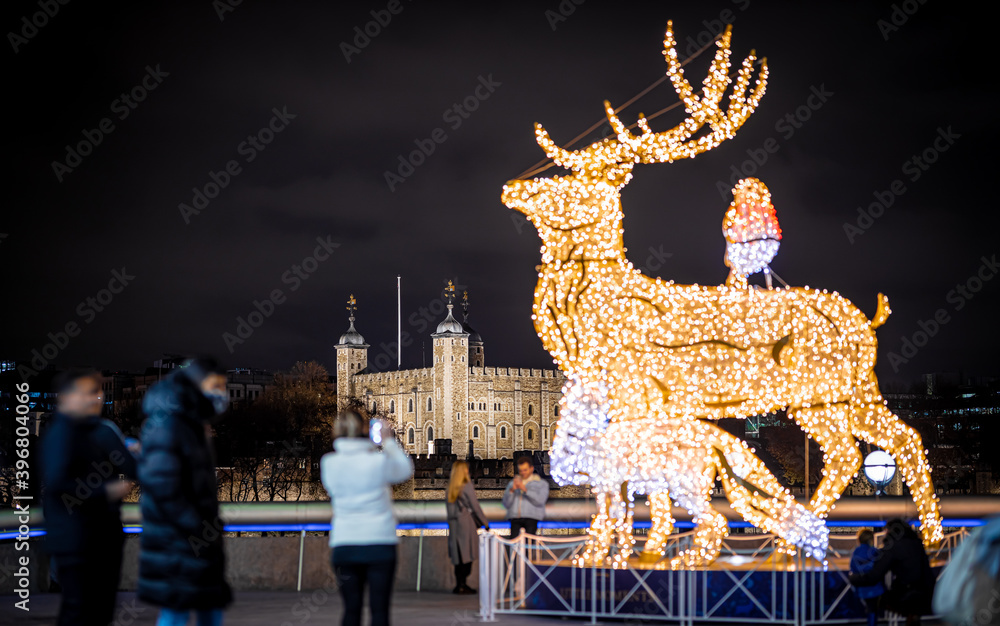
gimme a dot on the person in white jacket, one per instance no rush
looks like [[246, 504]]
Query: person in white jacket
[[358, 478]]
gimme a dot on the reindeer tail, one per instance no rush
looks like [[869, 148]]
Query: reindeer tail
[[882, 314]]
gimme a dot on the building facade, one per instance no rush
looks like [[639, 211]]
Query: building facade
[[485, 412]]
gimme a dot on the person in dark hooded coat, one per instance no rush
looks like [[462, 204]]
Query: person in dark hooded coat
[[904, 556], [181, 559]]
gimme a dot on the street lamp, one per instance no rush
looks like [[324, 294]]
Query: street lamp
[[879, 469]]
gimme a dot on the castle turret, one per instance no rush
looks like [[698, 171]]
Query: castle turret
[[352, 356], [448, 412]]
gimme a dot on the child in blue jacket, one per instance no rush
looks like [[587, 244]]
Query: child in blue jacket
[[862, 560]]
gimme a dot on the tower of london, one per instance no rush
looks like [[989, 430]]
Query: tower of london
[[485, 412]]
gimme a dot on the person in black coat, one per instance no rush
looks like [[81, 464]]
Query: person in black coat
[[181, 559], [82, 459], [912, 586]]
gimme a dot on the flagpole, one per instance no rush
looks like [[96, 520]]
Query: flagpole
[[399, 324]]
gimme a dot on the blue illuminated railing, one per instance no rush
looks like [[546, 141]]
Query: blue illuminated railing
[[561, 525]]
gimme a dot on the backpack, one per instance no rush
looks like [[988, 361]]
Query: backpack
[[968, 592]]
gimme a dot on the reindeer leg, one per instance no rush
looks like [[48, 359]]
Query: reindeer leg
[[875, 423], [601, 530], [830, 426], [622, 511], [661, 528], [761, 500], [711, 526]]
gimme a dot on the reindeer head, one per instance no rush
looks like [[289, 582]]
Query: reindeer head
[[588, 199]]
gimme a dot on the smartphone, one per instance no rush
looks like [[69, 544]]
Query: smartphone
[[375, 431]]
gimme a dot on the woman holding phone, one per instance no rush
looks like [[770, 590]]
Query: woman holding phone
[[465, 516], [363, 536]]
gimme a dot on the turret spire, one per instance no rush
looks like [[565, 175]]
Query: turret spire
[[352, 336]]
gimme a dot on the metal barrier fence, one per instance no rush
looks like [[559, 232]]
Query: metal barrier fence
[[534, 575]]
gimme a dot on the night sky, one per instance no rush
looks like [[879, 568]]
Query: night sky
[[852, 98]]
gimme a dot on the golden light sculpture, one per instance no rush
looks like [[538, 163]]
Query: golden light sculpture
[[670, 358]]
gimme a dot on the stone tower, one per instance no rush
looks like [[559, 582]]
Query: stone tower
[[449, 409], [352, 357]]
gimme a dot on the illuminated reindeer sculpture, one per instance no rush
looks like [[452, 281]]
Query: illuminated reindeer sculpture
[[675, 459], [672, 353]]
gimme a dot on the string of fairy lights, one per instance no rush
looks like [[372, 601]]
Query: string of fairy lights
[[651, 363]]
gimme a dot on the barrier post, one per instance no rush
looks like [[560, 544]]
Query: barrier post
[[420, 556], [486, 593], [302, 542]]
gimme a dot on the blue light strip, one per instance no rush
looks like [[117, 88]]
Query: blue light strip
[[276, 528]]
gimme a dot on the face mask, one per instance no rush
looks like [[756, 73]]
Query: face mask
[[219, 399]]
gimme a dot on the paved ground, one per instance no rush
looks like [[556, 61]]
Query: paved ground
[[282, 608], [277, 608]]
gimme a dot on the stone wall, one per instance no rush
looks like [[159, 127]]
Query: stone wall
[[268, 563]]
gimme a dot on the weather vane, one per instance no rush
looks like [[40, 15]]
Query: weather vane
[[465, 305], [352, 306], [449, 293]]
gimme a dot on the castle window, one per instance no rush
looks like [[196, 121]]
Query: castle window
[[374, 408], [530, 434], [557, 410], [531, 410], [470, 406], [475, 431], [430, 433], [503, 432], [429, 404], [411, 406], [409, 435], [392, 406], [458, 416], [463, 359]]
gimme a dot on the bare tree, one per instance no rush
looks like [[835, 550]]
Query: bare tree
[[270, 448]]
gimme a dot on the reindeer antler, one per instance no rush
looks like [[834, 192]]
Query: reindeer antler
[[676, 143]]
